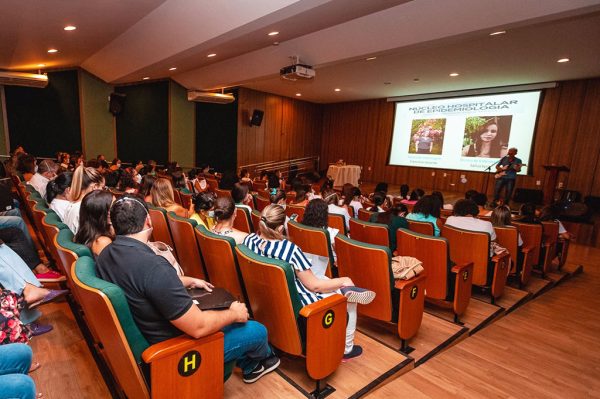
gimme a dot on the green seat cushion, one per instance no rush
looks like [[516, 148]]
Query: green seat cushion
[[210, 234], [53, 219], [65, 240], [85, 270], [191, 221]]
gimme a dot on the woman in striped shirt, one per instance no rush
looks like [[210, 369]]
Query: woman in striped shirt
[[270, 242]]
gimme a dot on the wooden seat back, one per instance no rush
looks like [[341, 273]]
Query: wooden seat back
[[125, 348], [242, 221], [291, 210], [160, 227], [337, 222], [220, 261], [263, 192], [52, 225], [444, 282], [312, 240], [531, 234], [290, 196], [177, 196], [259, 184], [473, 246], [223, 193], [507, 237], [213, 184], [371, 233], [364, 214], [262, 202], [186, 200], [549, 241], [369, 266], [270, 285], [255, 216], [421, 227], [188, 252]]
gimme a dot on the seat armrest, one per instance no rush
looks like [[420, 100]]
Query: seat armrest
[[527, 249], [325, 322], [461, 267], [402, 284], [498, 258], [182, 365]]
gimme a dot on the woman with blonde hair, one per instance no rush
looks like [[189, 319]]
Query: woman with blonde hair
[[271, 242], [163, 197], [84, 181]]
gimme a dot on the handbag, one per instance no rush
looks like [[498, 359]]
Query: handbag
[[406, 267], [162, 249], [12, 329]]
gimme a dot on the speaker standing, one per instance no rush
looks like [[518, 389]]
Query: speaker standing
[[506, 176]]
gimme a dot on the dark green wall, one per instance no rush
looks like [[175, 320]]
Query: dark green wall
[[143, 126], [45, 121], [216, 135]]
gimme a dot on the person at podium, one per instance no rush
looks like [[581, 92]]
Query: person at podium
[[506, 175]]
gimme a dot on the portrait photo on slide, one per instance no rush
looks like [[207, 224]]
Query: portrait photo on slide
[[427, 136], [486, 136]]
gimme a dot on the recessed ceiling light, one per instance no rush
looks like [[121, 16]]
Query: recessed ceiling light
[[370, 58], [454, 74], [146, 78], [337, 89], [563, 60], [41, 65], [53, 50], [70, 27], [172, 68], [211, 55], [500, 32], [298, 94], [274, 33]]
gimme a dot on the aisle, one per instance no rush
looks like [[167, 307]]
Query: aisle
[[548, 348]]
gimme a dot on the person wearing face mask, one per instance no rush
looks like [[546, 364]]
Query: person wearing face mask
[[158, 298], [115, 165], [45, 172], [203, 210]]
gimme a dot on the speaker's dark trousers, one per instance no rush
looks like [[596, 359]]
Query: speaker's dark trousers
[[509, 186]]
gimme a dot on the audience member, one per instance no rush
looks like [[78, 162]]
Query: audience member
[[146, 187], [95, 230], [15, 363], [395, 218], [84, 180], [163, 197], [224, 211], [527, 214], [481, 200], [378, 199], [332, 200], [242, 197], [465, 217], [57, 193], [203, 207], [502, 217], [46, 171]]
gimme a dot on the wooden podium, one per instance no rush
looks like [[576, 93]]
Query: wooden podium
[[552, 172]]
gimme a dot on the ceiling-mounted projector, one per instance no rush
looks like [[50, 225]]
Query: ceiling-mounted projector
[[209, 97], [23, 79], [297, 71]]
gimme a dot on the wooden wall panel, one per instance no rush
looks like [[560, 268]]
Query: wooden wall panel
[[567, 133], [290, 128]]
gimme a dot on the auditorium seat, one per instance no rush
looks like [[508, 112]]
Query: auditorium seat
[[369, 266], [531, 234], [160, 227], [189, 257], [316, 332], [337, 221], [220, 261], [549, 242], [223, 193], [126, 349], [255, 216], [259, 184], [312, 240], [291, 210], [177, 196], [447, 285], [213, 184], [364, 214], [243, 221], [52, 224], [263, 192], [262, 202], [186, 200], [421, 227], [472, 246], [521, 261], [371, 233]]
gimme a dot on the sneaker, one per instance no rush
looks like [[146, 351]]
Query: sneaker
[[263, 367], [355, 352], [50, 277], [358, 295], [39, 329]]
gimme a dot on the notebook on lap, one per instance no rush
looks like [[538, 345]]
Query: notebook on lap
[[218, 299]]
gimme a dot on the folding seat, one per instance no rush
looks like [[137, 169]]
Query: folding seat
[[178, 368], [259, 184], [312, 240], [186, 200], [262, 202], [371, 233], [421, 227], [263, 192], [289, 197], [398, 301], [472, 246], [213, 184], [243, 221], [177, 196], [316, 332], [220, 261], [52, 224], [447, 285], [364, 214], [337, 221], [223, 193], [188, 253], [549, 243], [521, 260], [531, 234], [160, 227], [255, 216]]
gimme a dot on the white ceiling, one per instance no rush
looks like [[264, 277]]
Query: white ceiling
[[122, 41]]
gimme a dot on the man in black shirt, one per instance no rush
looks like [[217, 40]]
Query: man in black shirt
[[160, 303]]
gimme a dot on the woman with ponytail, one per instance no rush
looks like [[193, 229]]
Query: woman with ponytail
[[84, 181], [224, 211], [271, 242], [57, 193]]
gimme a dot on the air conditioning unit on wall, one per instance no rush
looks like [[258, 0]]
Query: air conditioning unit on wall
[[208, 97], [23, 79]]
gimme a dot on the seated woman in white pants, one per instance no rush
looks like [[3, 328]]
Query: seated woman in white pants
[[270, 242]]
